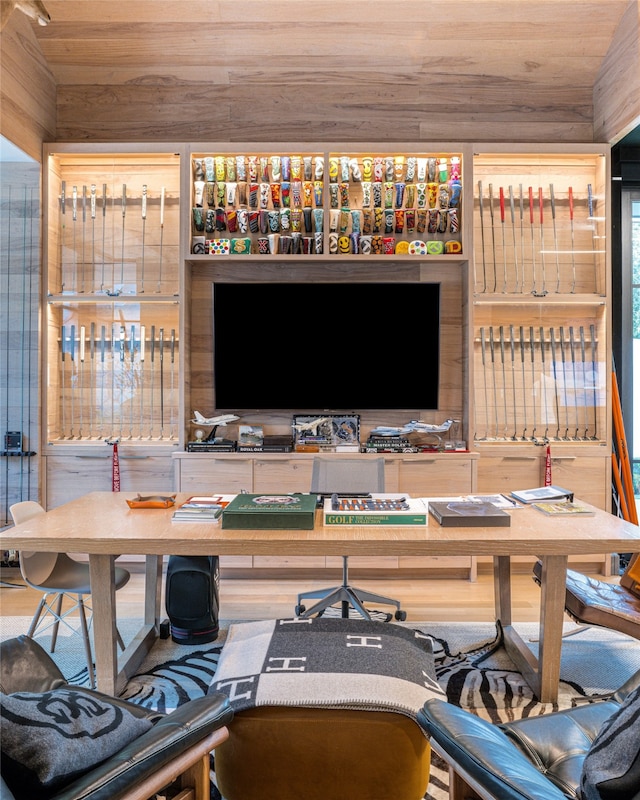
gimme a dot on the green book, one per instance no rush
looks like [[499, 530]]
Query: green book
[[270, 511]]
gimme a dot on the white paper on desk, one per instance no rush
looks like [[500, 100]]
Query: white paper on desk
[[497, 500]]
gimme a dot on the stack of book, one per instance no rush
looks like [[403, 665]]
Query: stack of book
[[201, 509]]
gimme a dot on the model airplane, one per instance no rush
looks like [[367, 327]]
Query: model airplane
[[221, 420], [311, 426], [414, 426]]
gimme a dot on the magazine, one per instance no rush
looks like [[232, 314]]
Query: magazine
[[564, 508]]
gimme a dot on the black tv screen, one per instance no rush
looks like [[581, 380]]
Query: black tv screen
[[326, 346]]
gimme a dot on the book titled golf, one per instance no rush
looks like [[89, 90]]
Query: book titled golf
[[375, 509]]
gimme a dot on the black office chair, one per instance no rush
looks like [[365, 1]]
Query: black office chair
[[345, 475]]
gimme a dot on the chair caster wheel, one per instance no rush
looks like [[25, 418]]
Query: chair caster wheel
[[298, 610], [400, 615]]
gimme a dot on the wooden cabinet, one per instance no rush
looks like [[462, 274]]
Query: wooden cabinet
[[540, 337], [137, 237], [414, 473], [112, 343]]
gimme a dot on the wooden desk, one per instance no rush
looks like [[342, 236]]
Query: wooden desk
[[102, 525]]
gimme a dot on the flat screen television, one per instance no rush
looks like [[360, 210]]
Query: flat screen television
[[347, 346]]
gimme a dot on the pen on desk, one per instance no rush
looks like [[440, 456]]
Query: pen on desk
[[509, 499]]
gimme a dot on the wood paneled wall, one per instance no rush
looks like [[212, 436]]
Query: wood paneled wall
[[150, 74], [616, 95], [452, 368], [27, 89]]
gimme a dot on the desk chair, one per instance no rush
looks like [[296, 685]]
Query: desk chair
[[59, 575], [344, 475], [590, 601]]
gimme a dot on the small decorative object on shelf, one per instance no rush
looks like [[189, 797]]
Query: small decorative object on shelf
[[326, 432], [211, 442]]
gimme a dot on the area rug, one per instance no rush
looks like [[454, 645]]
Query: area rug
[[471, 665]]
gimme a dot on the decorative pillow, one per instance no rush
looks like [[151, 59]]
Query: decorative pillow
[[50, 739], [611, 769]]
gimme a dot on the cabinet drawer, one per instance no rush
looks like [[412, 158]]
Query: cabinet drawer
[[585, 476], [437, 476], [504, 473], [210, 475], [69, 477], [282, 475]]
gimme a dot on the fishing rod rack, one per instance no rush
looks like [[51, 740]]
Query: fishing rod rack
[[540, 329]]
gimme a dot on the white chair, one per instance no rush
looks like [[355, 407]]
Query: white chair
[[57, 575], [344, 476]]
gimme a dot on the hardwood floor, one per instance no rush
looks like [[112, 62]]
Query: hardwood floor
[[244, 598]]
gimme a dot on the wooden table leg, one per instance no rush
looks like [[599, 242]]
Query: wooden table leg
[[112, 673], [103, 598], [502, 588], [152, 590], [543, 674], [553, 592]]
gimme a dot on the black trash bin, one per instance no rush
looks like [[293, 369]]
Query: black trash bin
[[192, 599]]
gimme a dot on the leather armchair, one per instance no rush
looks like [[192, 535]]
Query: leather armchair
[[177, 745], [530, 759]]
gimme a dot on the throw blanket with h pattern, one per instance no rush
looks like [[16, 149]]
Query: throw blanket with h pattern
[[332, 663]]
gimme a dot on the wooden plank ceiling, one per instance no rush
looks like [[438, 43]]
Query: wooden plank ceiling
[[335, 70]]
